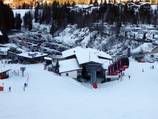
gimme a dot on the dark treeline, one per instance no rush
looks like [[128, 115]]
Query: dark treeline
[[10, 21], [27, 19], [6, 17], [6, 21], [61, 15]]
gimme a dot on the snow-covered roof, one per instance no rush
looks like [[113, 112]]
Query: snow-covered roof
[[48, 58], [4, 70], [85, 55], [9, 45], [146, 47], [100, 53], [70, 52], [68, 65], [57, 57], [4, 50], [105, 63], [32, 54], [156, 36]]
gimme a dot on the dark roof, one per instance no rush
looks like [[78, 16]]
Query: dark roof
[[4, 71]]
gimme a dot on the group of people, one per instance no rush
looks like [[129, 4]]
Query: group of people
[[129, 76], [123, 74], [24, 87], [16, 72]]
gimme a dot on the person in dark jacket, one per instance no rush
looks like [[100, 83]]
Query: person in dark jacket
[[10, 89], [25, 85]]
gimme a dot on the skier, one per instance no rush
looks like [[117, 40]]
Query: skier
[[45, 66], [129, 76], [25, 85], [152, 67], [120, 77], [9, 89]]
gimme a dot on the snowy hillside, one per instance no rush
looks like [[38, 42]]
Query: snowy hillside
[[99, 36], [50, 96], [106, 40]]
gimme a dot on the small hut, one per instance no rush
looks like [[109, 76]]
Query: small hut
[[31, 57], [4, 74]]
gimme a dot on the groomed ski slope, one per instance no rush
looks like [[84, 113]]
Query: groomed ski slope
[[49, 96]]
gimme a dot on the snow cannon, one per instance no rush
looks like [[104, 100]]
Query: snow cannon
[[1, 88]]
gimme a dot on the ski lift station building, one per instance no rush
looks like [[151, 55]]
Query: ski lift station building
[[85, 64]]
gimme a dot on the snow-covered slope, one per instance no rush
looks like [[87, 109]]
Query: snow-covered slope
[[99, 35], [74, 36], [50, 96]]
